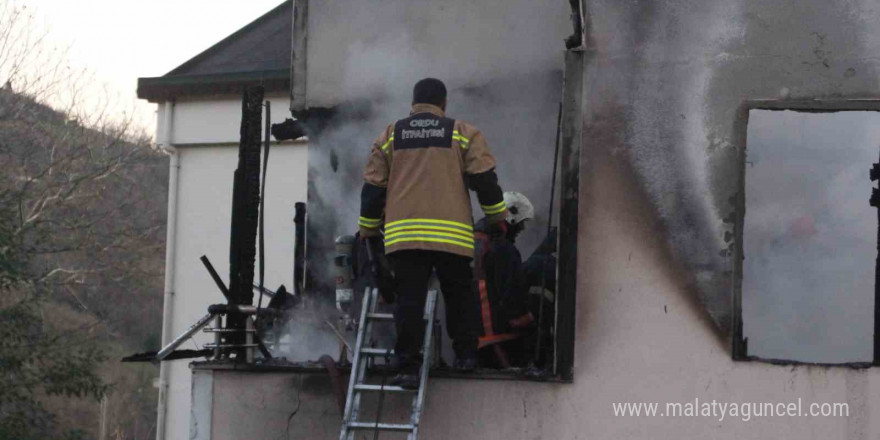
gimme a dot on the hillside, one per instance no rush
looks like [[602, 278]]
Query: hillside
[[82, 234]]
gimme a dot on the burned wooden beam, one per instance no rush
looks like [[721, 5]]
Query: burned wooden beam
[[246, 200], [299, 250], [245, 209], [150, 356], [215, 276]]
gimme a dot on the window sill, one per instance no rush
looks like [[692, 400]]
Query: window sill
[[513, 374]]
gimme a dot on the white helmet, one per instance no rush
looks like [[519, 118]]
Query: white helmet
[[519, 208]]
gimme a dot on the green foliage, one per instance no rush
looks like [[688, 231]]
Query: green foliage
[[75, 434], [36, 361], [153, 342]]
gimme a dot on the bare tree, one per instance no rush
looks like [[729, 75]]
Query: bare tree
[[82, 218]]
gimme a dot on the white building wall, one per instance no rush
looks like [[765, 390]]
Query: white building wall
[[640, 338], [665, 71], [205, 134], [217, 120]]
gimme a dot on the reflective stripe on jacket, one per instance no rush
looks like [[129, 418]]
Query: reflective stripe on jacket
[[416, 183]]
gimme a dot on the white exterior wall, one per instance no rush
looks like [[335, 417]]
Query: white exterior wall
[[665, 83], [206, 134], [640, 338]]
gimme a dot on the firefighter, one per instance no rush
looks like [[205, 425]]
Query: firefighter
[[414, 188], [502, 288]]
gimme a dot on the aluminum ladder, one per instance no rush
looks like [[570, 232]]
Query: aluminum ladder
[[356, 384]]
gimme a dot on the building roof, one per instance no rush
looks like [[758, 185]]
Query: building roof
[[258, 53]]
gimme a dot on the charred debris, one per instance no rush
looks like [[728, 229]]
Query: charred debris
[[239, 325]]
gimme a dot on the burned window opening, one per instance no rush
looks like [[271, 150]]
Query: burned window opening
[[320, 242], [748, 345]]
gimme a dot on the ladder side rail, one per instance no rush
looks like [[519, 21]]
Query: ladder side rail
[[346, 415], [419, 400], [362, 365]]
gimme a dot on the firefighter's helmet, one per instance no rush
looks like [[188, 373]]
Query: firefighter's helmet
[[519, 208]]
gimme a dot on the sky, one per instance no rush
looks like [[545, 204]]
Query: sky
[[122, 40]]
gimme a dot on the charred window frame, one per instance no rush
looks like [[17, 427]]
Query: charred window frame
[[569, 186], [739, 345]]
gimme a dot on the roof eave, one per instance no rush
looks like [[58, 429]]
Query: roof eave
[[165, 88]]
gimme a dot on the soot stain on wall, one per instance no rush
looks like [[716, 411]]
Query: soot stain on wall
[[680, 71]]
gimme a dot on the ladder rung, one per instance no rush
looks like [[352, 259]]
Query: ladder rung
[[381, 316], [377, 351], [381, 426], [388, 388]]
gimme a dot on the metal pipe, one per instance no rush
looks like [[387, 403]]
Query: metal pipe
[[170, 254], [874, 201], [229, 346], [201, 323], [235, 312], [249, 339], [267, 141], [223, 309], [218, 336], [226, 330]]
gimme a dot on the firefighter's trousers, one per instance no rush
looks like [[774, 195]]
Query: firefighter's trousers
[[412, 270]]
